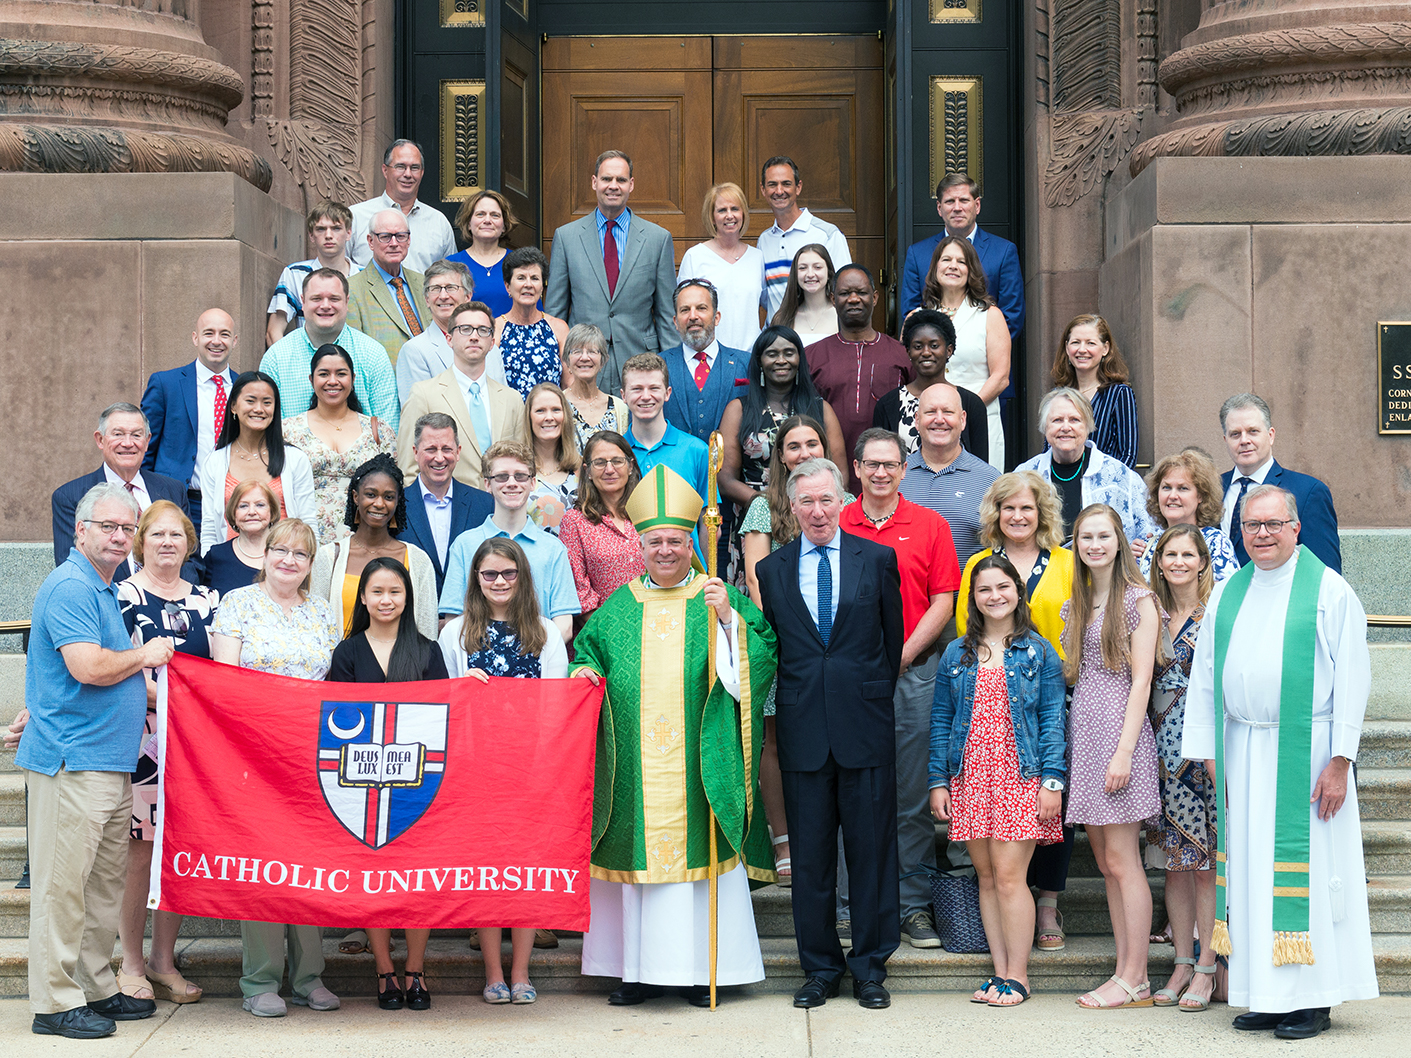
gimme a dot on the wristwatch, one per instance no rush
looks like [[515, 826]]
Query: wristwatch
[[1056, 785]]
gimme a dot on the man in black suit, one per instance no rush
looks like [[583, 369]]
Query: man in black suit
[[439, 508], [839, 656], [121, 437]]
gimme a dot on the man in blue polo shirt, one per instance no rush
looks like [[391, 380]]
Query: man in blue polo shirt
[[646, 387], [508, 469], [86, 703]]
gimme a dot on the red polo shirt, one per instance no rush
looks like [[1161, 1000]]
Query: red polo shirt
[[925, 553]]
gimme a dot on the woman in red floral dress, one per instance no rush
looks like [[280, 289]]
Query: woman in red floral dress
[[997, 762]]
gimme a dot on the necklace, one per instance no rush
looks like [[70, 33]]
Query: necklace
[[877, 522], [378, 639], [247, 455], [1053, 469], [337, 426], [256, 557]]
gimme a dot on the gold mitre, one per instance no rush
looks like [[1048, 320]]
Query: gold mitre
[[663, 498]]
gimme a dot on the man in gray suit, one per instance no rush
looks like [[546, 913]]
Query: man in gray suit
[[622, 284]]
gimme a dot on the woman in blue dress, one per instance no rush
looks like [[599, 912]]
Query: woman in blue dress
[[528, 338], [485, 221]]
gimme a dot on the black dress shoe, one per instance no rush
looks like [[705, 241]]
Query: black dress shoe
[[80, 1023], [815, 992], [122, 1007], [633, 992], [699, 996], [1253, 1021], [418, 998], [1304, 1024], [871, 994], [389, 996]]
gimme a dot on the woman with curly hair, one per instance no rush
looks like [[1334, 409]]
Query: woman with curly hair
[[376, 512]]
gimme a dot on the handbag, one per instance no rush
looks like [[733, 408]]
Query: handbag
[[955, 898]]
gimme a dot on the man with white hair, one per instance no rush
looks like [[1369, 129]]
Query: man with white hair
[[1278, 689], [387, 300], [402, 170], [80, 735]]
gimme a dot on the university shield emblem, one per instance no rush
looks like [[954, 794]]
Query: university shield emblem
[[380, 764]]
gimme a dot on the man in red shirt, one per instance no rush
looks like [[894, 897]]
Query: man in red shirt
[[858, 366], [930, 574]]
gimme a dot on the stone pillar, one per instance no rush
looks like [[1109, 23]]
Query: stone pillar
[[110, 87]]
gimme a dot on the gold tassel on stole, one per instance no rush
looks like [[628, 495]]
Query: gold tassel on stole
[[1220, 939], [1292, 948]]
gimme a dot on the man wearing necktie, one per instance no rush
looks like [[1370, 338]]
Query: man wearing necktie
[[834, 602], [1248, 427], [387, 300]]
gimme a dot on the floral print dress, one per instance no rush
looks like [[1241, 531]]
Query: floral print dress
[[531, 356], [499, 654], [333, 470]]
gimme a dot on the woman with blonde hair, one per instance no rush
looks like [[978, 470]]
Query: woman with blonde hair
[[584, 353], [1184, 489], [1111, 644], [252, 508], [732, 266], [548, 424]]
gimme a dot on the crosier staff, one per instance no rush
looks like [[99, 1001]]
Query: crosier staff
[[715, 461]]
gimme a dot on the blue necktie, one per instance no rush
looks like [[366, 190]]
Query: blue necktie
[[1236, 533], [478, 418], [825, 595]]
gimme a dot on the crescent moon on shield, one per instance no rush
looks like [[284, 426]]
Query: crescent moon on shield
[[349, 732]]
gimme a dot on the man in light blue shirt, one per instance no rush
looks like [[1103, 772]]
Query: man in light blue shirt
[[509, 475], [646, 387]]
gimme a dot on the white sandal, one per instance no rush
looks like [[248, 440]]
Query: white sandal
[[782, 867], [1098, 1003]]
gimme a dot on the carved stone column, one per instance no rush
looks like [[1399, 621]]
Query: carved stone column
[[107, 86], [1290, 77]]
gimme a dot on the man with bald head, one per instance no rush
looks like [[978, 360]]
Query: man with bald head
[[386, 300], [184, 406]]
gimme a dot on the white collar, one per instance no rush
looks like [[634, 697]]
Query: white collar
[[1259, 474]]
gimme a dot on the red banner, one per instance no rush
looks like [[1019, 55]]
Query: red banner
[[447, 803]]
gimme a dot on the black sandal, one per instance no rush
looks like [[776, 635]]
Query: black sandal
[[390, 997], [418, 998]]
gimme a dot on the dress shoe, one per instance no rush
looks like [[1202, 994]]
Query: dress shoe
[[699, 996], [633, 992], [122, 1007], [815, 992], [80, 1023], [1253, 1021], [1304, 1024], [871, 994], [418, 998]]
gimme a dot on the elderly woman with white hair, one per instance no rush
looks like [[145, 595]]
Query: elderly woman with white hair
[[1080, 472]]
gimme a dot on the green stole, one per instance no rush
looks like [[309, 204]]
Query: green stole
[[1294, 778]]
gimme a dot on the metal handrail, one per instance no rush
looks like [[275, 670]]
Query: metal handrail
[[1381, 620]]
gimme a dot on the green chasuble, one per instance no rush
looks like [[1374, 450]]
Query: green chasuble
[[673, 745]]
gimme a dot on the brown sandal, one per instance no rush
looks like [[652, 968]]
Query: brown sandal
[[132, 984], [1050, 938]]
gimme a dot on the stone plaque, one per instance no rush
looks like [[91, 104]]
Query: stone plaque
[[1394, 377]]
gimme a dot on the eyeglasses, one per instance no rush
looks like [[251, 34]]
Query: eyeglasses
[[519, 476], [384, 237], [444, 288], [1273, 526], [489, 576], [113, 528], [602, 464], [279, 554], [465, 330], [873, 465], [407, 167], [177, 620]]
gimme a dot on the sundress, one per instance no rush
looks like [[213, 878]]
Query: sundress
[[531, 356]]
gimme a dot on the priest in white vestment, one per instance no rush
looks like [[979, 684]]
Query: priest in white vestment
[[1288, 987]]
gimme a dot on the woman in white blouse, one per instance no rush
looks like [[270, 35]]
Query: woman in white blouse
[[735, 268]]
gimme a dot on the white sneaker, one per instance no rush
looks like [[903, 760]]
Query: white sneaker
[[318, 999], [266, 1005]]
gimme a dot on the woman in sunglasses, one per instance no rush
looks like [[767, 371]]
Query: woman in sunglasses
[[501, 633]]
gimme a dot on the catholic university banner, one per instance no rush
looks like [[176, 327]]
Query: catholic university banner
[[447, 803]]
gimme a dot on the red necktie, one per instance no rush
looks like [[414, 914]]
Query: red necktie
[[219, 380], [702, 370], [610, 257]]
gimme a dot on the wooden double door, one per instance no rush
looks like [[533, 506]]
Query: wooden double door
[[694, 111]]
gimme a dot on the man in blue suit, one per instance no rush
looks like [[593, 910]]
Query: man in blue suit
[[181, 405], [1249, 434], [439, 508], [705, 375], [958, 203], [121, 437]]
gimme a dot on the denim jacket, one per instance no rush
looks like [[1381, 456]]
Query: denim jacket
[[1034, 678]]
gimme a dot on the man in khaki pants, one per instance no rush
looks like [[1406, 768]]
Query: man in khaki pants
[[79, 739]]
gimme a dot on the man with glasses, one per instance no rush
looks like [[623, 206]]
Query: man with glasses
[[387, 300], [86, 703], [1278, 689], [122, 437], [485, 410], [705, 376], [432, 237], [326, 323], [446, 285], [930, 576], [1249, 435], [509, 473]]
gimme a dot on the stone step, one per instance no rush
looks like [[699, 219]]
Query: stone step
[[1391, 679], [454, 969], [13, 853], [1384, 793], [12, 807]]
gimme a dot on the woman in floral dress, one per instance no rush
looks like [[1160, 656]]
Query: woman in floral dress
[[529, 338]]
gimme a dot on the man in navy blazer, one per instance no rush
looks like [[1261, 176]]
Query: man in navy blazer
[[1249, 435], [839, 657], [181, 404], [440, 508], [693, 408], [121, 438], [958, 203]]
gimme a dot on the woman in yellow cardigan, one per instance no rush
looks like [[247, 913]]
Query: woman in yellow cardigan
[[1021, 517]]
